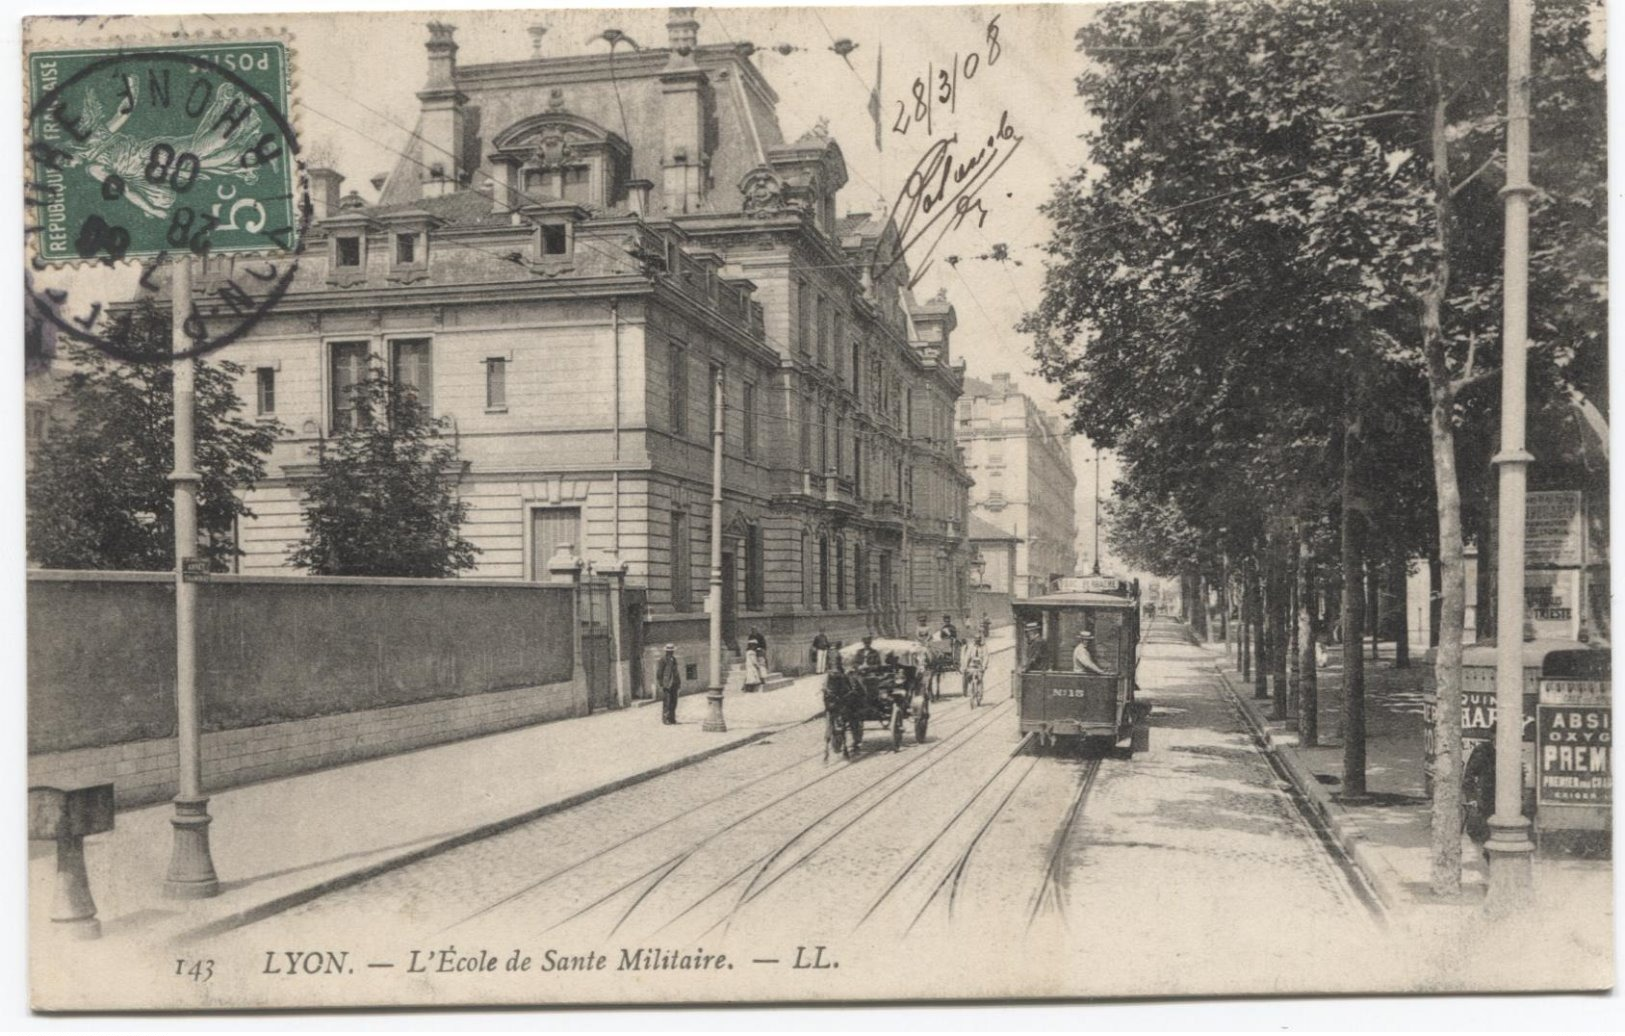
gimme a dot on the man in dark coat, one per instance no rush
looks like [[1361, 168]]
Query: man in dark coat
[[669, 678]]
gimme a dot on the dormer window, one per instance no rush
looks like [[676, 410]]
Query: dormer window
[[347, 251], [555, 239], [406, 249]]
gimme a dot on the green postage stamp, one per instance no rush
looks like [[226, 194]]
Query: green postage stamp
[[184, 148]]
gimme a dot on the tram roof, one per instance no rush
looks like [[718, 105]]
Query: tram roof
[[1077, 599]]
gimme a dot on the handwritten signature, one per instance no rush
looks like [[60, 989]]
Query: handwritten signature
[[941, 192]]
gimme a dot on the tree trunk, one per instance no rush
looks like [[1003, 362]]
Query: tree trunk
[[1260, 646], [1199, 598], [1246, 644], [1293, 671], [1445, 834], [1280, 610], [1435, 580], [1399, 576], [1373, 617], [1353, 627], [1308, 689]]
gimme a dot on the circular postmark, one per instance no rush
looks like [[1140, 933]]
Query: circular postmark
[[160, 155]]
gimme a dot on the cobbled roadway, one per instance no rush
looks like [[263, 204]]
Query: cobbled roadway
[[1186, 869]]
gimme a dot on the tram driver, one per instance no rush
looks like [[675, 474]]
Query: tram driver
[[1083, 656]]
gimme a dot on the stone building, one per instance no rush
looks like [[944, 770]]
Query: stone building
[[1022, 464], [567, 257]]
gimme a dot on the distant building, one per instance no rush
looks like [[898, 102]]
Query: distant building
[[1020, 459]]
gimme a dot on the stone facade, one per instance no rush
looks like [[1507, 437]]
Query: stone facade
[[564, 260], [1020, 459]]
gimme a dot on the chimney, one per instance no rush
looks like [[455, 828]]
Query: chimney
[[442, 119], [324, 190], [536, 34], [683, 96], [637, 196], [682, 36], [1001, 385]]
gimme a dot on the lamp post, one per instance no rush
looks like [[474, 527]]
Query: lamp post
[[1509, 848], [191, 866], [713, 694]]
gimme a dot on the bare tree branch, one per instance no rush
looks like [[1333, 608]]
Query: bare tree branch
[[1494, 157]]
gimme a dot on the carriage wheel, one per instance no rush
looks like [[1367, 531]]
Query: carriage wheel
[[896, 728]]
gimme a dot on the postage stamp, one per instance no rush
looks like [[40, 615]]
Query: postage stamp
[[140, 152]]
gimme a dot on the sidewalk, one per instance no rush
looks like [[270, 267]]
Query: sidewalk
[[1389, 838], [281, 842]]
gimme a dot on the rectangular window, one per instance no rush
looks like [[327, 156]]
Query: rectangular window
[[859, 577], [550, 529], [496, 383], [347, 251], [410, 368], [348, 368], [809, 320], [824, 331], [406, 249], [840, 574], [806, 433], [681, 593], [540, 185], [823, 441], [678, 390], [555, 239], [840, 446], [578, 183], [747, 420], [265, 390]]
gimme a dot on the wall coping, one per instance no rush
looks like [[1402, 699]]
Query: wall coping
[[63, 575]]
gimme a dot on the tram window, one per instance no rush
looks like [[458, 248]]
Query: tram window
[[1109, 640]]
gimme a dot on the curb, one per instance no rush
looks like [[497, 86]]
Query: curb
[[1376, 873], [287, 901]]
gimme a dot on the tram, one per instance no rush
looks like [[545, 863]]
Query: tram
[[1077, 650]]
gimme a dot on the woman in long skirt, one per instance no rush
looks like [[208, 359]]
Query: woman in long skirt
[[755, 661]]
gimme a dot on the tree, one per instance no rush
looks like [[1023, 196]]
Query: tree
[[99, 493], [384, 498], [1290, 210]]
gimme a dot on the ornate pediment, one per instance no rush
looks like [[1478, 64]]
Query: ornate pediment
[[555, 138]]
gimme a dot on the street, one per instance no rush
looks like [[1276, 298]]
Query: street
[[960, 847]]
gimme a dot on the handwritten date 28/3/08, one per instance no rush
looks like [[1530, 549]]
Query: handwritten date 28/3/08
[[941, 85]]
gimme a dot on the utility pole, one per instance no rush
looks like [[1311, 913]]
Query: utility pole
[[191, 867], [1510, 850], [713, 694], [1097, 510]]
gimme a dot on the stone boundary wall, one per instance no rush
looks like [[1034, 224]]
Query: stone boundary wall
[[295, 673]]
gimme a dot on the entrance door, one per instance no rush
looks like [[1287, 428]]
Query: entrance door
[[730, 604]]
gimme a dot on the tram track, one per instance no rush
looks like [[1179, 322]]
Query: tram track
[[657, 874], [1051, 894], [763, 864]]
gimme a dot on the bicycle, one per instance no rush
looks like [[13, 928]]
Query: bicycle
[[973, 685]]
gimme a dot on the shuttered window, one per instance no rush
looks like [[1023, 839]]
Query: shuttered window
[[410, 367], [347, 369]]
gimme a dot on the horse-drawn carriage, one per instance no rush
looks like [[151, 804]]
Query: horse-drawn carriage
[[890, 692]]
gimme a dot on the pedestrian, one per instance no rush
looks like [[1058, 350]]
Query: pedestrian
[[820, 653], [669, 678], [755, 661]]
